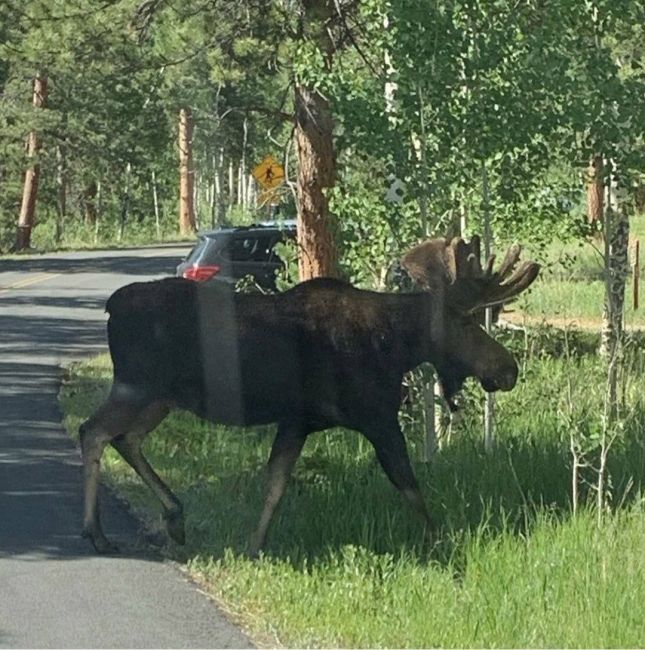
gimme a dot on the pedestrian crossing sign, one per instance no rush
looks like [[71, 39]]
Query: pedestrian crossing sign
[[269, 173]]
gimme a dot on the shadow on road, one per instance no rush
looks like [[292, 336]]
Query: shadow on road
[[50, 337], [40, 474], [40, 466], [55, 302]]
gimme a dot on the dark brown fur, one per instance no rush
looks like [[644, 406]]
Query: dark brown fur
[[320, 355]]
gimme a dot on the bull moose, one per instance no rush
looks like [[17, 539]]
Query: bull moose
[[320, 355]]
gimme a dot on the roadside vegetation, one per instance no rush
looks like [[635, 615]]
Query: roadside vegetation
[[571, 288], [346, 563]]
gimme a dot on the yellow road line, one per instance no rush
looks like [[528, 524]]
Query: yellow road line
[[41, 277]]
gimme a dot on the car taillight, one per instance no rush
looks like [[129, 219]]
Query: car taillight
[[201, 273]]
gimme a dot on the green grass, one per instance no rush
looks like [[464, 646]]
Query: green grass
[[571, 285], [347, 564], [571, 300]]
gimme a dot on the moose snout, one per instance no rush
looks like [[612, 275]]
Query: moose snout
[[503, 378], [508, 378]]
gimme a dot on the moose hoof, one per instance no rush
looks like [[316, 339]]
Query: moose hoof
[[175, 527], [100, 543]]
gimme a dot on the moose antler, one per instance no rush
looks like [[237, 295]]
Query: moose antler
[[454, 269]]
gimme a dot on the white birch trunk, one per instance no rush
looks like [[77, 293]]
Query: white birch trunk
[[489, 405], [155, 202]]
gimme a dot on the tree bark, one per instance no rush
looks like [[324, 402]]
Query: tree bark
[[155, 203], [61, 182], [231, 185], [316, 174], [27, 218], [595, 191], [186, 173], [316, 157], [616, 234], [89, 202], [125, 205]]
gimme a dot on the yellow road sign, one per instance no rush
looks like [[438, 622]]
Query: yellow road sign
[[269, 173]]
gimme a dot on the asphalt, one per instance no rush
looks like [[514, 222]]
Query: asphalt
[[55, 592]]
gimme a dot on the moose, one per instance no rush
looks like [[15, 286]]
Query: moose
[[319, 355]]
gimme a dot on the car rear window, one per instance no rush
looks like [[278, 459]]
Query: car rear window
[[240, 247], [196, 251], [207, 248], [250, 248]]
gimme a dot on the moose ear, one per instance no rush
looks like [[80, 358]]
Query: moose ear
[[426, 264]]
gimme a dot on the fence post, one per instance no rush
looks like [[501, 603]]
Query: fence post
[[636, 271]]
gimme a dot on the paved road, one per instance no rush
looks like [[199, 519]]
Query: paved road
[[54, 592]]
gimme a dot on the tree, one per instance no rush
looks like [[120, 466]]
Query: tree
[[186, 173], [314, 127], [32, 175]]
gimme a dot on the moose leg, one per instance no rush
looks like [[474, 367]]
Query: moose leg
[[392, 452], [129, 446], [286, 448], [113, 418]]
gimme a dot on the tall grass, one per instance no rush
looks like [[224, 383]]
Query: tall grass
[[347, 564], [571, 286]]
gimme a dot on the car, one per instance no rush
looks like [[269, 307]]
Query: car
[[229, 254]]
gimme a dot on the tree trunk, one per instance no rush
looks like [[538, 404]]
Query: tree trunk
[[231, 185], [242, 179], [186, 179], [27, 217], [616, 232], [125, 205], [221, 202], [595, 191], [196, 197], [316, 174], [250, 193], [240, 184], [61, 182], [89, 203], [315, 150], [99, 196], [155, 203]]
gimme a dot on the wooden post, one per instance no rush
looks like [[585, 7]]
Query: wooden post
[[27, 218], [186, 179], [636, 271]]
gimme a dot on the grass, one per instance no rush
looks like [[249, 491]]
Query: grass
[[575, 301], [347, 564], [571, 286]]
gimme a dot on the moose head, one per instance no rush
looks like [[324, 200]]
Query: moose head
[[453, 272]]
